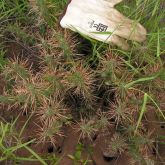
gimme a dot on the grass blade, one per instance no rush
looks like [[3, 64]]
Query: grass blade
[[158, 45], [142, 112], [141, 80], [36, 155]]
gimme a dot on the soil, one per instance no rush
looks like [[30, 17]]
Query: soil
[[156, 129], [66, 145], [16, 50]]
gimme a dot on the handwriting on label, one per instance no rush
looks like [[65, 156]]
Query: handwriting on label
[[98, 26]]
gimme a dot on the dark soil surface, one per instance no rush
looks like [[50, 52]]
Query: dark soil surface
[[18, 51]]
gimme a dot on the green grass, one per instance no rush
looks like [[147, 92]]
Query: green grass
[[8, 151], [142, 112]]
